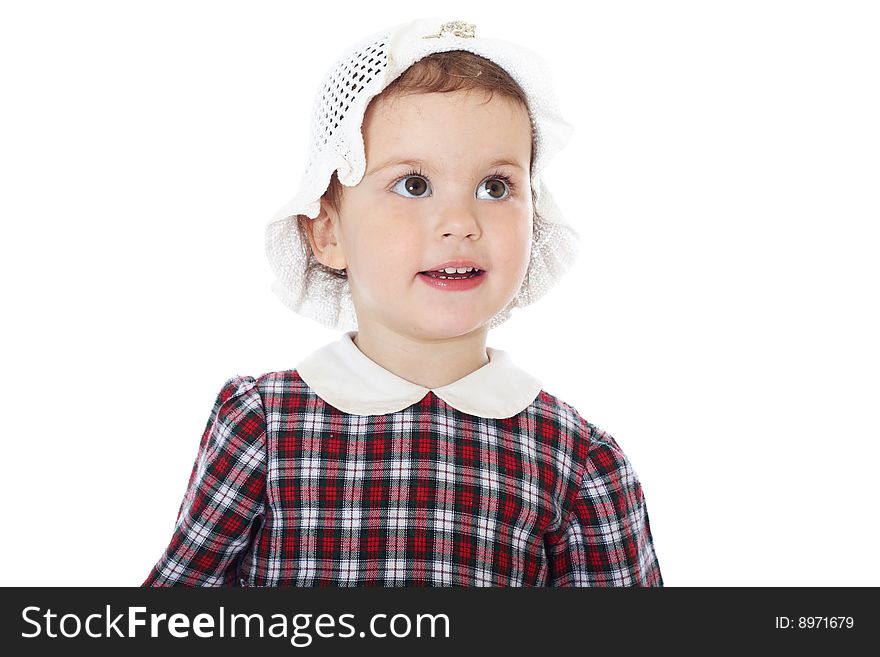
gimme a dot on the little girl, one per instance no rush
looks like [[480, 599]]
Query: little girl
[[407, 453]]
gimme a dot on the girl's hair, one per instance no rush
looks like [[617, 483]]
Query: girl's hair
[[441, 72]]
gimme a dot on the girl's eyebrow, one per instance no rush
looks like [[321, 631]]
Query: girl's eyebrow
[[416, 162]]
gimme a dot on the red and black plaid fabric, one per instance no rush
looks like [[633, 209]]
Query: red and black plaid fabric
[[287, 490]]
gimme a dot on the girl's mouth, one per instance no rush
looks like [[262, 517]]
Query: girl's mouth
[[454, 277], [453, 282]]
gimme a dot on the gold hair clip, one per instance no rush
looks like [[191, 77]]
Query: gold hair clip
[[455, 28]]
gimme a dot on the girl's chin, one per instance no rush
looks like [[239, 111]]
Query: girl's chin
[[441, 325]]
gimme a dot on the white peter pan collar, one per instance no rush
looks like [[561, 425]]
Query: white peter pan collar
[[344, 377]]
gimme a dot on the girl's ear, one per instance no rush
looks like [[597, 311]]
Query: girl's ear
[[323, 235]]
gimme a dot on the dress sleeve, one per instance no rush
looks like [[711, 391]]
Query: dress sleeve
[[605, 539], [224, 497]]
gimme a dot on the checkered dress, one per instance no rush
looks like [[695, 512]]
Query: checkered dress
[[287, 490]]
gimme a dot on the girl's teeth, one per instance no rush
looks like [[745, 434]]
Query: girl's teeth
[[456, 273]]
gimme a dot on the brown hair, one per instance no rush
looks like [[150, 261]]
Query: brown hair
[[441, 72]]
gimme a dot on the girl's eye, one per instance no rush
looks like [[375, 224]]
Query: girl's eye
[[417, 185], [414, 184], [495, 186]]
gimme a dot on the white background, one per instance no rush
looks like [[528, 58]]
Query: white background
[[721, 323]]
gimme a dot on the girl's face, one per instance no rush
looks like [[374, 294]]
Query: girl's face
[[447, 178]]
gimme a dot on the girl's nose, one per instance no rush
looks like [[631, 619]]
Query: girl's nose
[[458, 218]]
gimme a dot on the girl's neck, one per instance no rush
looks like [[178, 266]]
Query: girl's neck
[[431, 363]]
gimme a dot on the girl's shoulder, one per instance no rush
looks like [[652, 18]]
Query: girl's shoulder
[[561, 412], [278, 382], [567, 421]]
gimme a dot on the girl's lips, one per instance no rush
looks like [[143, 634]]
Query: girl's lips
[[456, 263], [453, 284]]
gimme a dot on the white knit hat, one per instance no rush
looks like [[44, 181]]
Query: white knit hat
[[337, 144]]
